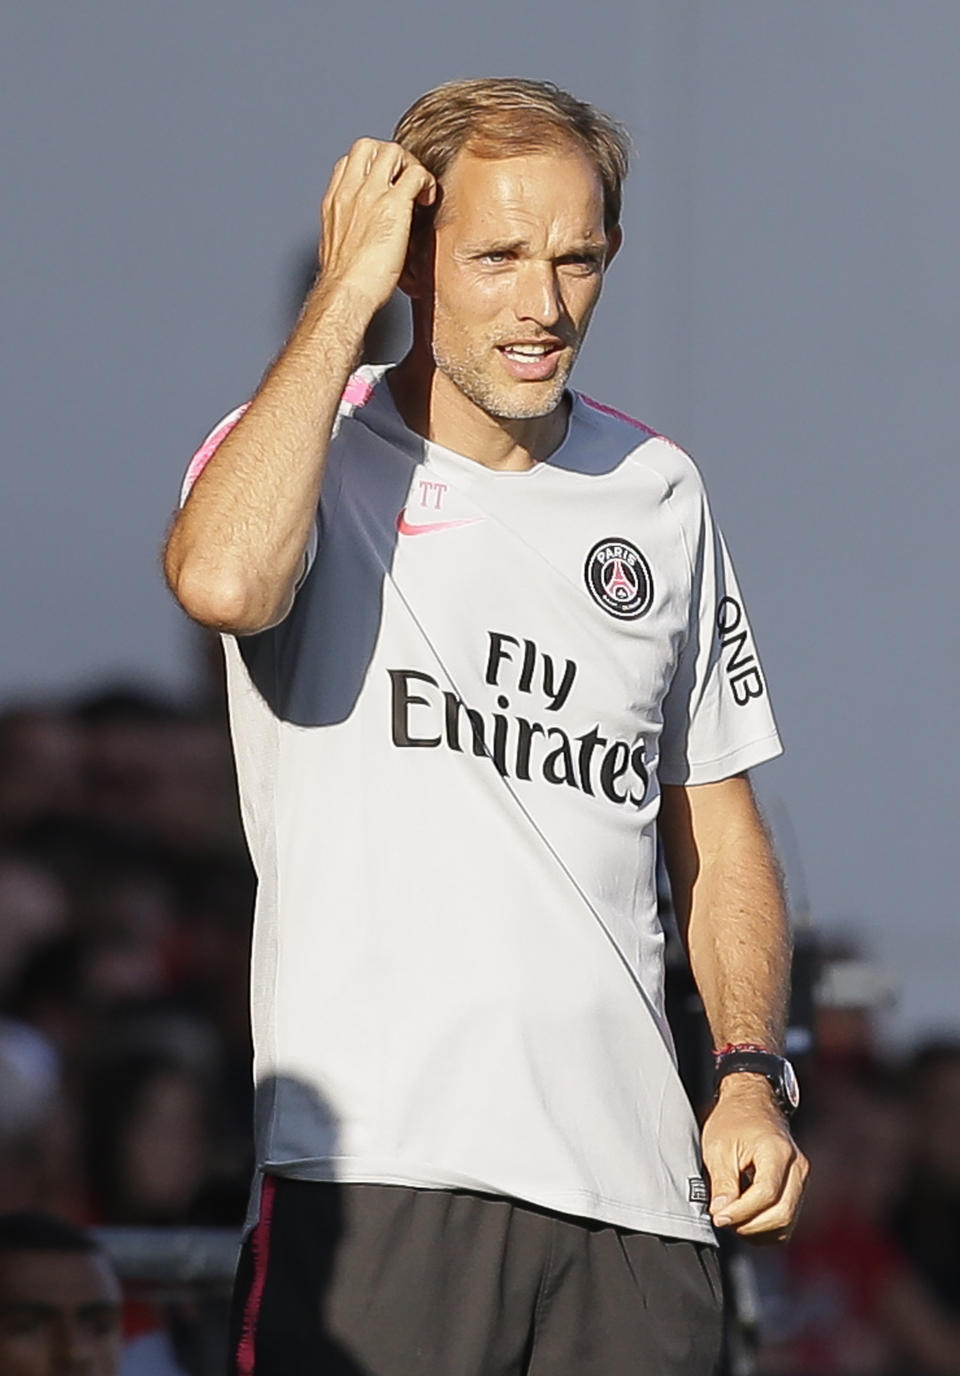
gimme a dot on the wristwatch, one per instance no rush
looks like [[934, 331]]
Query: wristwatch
[[730, 1060]]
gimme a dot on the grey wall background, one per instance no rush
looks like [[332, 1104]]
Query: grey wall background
[[785, 307]]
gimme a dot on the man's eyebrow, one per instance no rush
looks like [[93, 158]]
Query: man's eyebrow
[[586, 246], [497, 245]]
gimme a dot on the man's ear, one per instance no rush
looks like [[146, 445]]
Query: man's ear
[[410, 278], [415, 279], [614, 240]]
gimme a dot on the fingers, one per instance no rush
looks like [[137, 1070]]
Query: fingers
[[778, 1219], [333, 186], [724, 1172], [770, 1169], [349, 172], [418, 183], [363, 158], [387, 164], [377, 167], [377, 164], [771, 1200], [367, 216]]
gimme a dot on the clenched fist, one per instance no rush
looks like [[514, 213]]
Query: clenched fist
[[756, 1170], [367, 214]]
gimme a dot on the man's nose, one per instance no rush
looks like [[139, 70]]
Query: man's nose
[[78, 1353], [538, 294]]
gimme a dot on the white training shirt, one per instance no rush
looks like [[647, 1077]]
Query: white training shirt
[[448, 757]]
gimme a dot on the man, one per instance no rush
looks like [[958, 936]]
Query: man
[[480, 631], [60, 1300]]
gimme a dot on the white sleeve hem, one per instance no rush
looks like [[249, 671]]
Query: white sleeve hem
[[725, 766]]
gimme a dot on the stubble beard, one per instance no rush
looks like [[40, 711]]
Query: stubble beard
[[469, 368]]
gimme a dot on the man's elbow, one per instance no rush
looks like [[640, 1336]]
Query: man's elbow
[[224, 600]]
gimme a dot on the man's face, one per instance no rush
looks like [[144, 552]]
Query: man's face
[[519, 254], [59, 1314]]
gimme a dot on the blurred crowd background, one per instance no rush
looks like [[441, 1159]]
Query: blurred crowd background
[[125, 913], [125, 1086]]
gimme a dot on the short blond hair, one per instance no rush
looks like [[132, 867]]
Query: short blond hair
[[502, 117]]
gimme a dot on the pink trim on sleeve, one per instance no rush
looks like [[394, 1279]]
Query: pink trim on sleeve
[[618, 415], [207, 450], [358, 391], [260, 1246]]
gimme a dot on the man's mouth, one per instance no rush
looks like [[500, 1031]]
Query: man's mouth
[[532, 362]]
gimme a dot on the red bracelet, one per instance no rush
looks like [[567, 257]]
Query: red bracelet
[[741, 1046]]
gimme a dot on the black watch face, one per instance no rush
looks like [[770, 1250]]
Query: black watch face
[[791, 1087]]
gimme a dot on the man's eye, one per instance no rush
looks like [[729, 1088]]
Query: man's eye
[[23, 1325], [103, 1325], [496, 255]]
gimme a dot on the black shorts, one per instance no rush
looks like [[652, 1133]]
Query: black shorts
[[388, 1280]]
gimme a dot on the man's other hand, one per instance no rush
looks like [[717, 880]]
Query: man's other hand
[[757, 1172], [367, 216]]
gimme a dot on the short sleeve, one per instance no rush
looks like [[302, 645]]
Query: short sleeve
[[717, 718], [203, 456]]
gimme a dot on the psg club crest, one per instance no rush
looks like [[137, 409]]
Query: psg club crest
[[619, 580]]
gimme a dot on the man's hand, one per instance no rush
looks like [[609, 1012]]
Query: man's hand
[[757, 1172], [367, 214]]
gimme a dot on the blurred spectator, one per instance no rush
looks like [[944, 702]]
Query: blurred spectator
[[851, 991], [926, 1216], [60, 1300], [842, 1297], [158, 774], [54, 996], [33, 909], [827, 1292], [151, 1144], [41, 767], [38, 1147], [126, 911], [216, 908]]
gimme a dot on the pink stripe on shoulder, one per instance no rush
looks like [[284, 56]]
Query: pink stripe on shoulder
[[358, 391], [618, 415], [207, 450], [260, 1246]]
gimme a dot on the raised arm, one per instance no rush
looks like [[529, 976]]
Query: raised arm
[[730, 908], [238, 545]]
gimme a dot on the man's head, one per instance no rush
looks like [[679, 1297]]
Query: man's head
[[506, 272], [59, 1300], [505, 117]]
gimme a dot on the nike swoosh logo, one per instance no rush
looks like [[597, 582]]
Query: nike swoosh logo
[[405, 528]]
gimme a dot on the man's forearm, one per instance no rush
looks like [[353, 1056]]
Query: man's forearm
[[729, 902], [740, 946], [238, 545]]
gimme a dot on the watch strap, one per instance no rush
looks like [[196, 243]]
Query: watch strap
[[756, 1061]]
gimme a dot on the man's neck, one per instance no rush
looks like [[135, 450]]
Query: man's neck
[[434, 407]]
